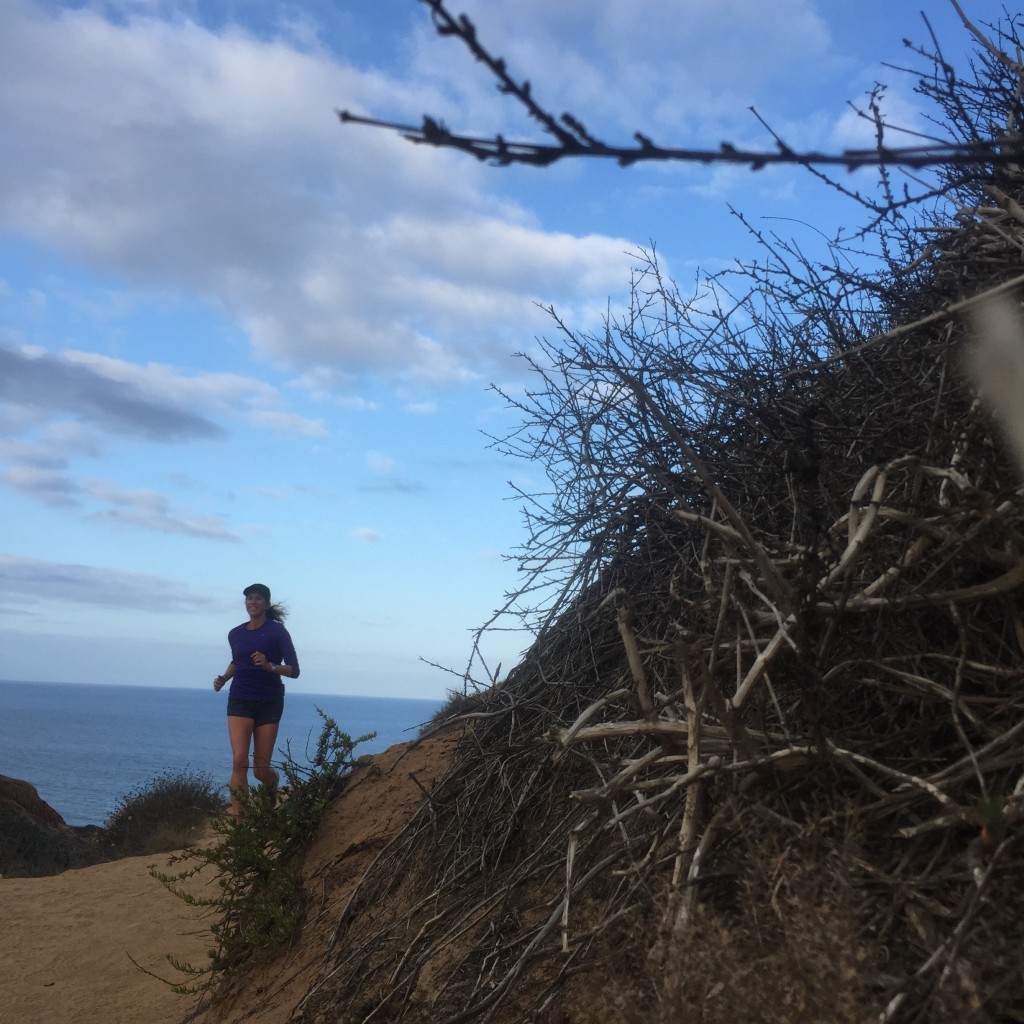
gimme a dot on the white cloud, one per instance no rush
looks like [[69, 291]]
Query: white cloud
[[280, 422], [386, 468], [621, 67], [68, 403], [150, 510], [60, 409], [855, 128], [381, 463], [366, 535], [212, 164], [34, 581], [47, 485]]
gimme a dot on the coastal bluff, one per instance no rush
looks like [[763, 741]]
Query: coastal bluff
[[34, 839]]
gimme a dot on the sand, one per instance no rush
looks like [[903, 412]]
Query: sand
[[67, 941]]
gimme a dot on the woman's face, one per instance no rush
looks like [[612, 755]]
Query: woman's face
[[255, 605]]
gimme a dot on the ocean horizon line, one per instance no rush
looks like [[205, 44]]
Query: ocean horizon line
[[191, 686], [83, 746]]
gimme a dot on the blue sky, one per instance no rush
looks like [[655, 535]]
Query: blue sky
[[240, 342]]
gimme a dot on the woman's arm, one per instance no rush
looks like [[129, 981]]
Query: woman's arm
[[289, 659], [220, 680], [282, 669]]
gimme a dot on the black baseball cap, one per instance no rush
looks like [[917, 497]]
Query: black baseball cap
[[258, 588]]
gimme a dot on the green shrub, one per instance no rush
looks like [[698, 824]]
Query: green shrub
[[259, 898], [162, 814]]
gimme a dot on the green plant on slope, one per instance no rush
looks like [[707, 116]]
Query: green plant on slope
[[259, 900]]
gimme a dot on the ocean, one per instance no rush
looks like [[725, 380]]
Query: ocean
[[84, 747]]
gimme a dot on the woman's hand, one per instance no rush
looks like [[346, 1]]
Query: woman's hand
[[259, 658], [218, 682]]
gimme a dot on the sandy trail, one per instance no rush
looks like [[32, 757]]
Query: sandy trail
[[65, 942]]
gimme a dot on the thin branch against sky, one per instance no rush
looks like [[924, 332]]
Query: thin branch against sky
[[573, 140]]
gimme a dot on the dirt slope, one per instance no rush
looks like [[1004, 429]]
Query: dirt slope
[[381, 797], [67, 941]]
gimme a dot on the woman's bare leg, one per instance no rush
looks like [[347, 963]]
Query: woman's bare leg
[[240, 731], [264, 739]]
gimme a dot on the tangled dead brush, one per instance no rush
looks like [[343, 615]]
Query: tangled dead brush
[[765, 760]]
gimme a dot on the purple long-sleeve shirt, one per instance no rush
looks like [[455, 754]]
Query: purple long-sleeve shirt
[[251, 682]]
